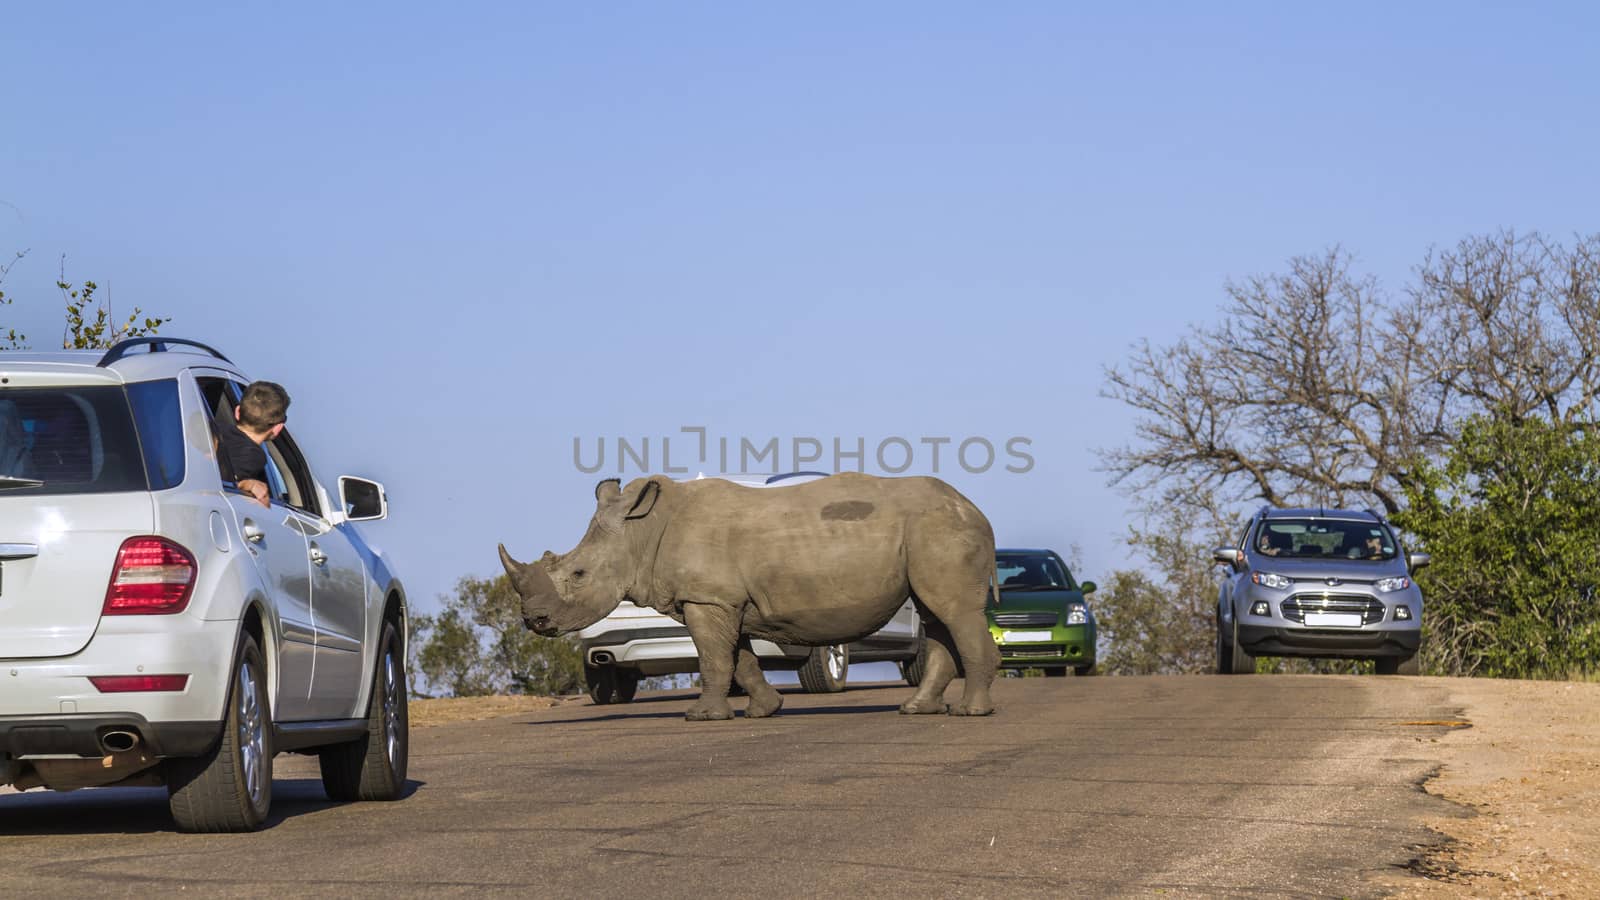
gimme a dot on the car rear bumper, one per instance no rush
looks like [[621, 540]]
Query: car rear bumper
[[59, 688], [23, 737], [1272, 640]]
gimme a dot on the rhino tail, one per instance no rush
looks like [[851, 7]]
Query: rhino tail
[[994, 579]]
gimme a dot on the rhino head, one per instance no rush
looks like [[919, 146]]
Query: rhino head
[[565, 592]]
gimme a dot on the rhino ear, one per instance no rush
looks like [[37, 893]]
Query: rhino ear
[[644, 501], [607, 490]]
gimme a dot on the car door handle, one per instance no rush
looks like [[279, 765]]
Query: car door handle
[[253, 532], [18, 551], [317, 556]]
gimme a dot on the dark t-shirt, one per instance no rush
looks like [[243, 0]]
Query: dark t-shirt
[[240, 457]]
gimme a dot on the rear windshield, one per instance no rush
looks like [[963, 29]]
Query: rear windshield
[[1324, 539], [68, 440]]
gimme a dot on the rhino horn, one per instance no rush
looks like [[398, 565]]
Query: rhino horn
[[512, 566]]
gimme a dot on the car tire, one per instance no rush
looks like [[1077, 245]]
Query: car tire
[[1060, 672], [627, 684], [230, 787], [373, 766], [826, 669], [1083, 671], [602, 682], [913, 669], [1394, 665], [1224, 650], [1242, 663]]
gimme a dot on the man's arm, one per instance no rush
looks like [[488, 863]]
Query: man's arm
[[257, 491]]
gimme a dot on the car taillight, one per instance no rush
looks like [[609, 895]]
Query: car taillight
[[127, 684], [152, 576]]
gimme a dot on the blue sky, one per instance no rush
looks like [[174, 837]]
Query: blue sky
[[462, 236]]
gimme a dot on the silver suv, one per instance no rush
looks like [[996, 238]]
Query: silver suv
[[1319, 583], [157, 625]]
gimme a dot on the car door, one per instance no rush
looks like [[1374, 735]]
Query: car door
[[903, 626], [275, 539], [338, 588]]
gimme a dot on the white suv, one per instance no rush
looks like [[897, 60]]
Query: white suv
[[159, 626], [638, 642]]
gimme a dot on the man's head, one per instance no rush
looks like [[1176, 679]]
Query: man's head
[[264, 409]]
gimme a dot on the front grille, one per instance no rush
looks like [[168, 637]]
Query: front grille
[[1034, 651], [1013, 620], [1296, 607]]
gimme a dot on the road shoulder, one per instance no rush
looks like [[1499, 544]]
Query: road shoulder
[[1529, 767]]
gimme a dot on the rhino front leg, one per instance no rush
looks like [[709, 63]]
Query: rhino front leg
[[764, 698], [715, 630]]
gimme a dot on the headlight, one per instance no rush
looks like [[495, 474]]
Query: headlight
[[1077, 615], [1267, 579], [1390, 585]]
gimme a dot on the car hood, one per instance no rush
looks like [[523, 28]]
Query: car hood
[[1025, 601], [1319, 569]]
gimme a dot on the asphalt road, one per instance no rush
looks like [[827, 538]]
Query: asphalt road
[[1211, 786]]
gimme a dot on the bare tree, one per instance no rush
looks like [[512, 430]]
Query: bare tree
[[1317, 388]]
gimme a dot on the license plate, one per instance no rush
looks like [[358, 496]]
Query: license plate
[[1342, 620], [1024, 637]]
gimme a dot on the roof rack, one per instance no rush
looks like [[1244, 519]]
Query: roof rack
[[156, 345], [786, 475]]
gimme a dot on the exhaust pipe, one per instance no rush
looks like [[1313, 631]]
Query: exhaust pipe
[[118, 740], [601, 657]]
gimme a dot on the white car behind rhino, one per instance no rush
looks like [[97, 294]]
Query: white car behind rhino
[[157, 626]]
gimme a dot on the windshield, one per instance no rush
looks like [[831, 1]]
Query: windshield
[[1324, 539], [1024, 571], [70, 440]]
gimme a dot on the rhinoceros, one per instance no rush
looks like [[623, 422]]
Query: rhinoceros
[[820, 563]]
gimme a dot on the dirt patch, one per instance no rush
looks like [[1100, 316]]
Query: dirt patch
[[1529, 767], [425, 713]]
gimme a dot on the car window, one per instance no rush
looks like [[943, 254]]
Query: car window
[[159, 419], [299, 489], [219, 396], [1324, 539], [68, 440], [1031, 570]]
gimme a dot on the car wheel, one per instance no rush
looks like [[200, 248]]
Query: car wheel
[[373, 767], [627, 684], [1082, 671], [602, 681], [825, 670], [1243, 663], [1393, 665], [914, 668], [1055, 673], [230, 788], [1224, 650]]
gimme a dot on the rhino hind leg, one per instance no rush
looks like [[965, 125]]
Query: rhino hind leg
[[953, 588], [716, 634], [764, 698], [941, 668], [980, 660]]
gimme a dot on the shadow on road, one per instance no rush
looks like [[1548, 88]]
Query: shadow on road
[[620, 716], [140, 810]]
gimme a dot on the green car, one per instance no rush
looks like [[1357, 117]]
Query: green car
[[1042, 620]]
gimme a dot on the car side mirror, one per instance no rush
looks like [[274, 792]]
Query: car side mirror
[[1417, 560], [1233, 556], [1086, 587], [362, 500]]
